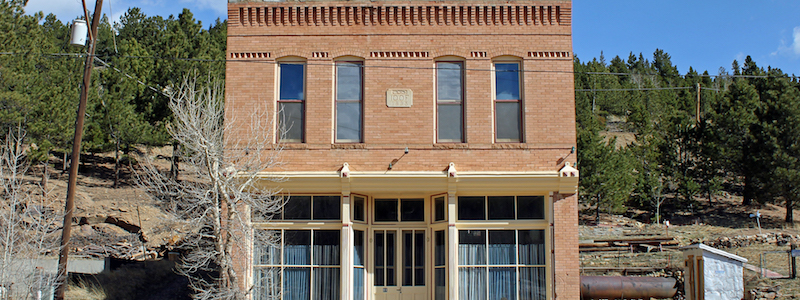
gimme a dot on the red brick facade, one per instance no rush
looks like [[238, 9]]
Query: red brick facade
[[399, 43]]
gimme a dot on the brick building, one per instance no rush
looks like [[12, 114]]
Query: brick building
[[426, 147]]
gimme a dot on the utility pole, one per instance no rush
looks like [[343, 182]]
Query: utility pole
[[76, 154]]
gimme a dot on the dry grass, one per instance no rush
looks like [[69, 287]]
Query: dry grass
[[150, 280]]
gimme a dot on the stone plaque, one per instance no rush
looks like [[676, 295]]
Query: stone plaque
[[399, 97]]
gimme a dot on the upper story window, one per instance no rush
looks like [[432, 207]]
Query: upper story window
[[349, 95], [291, 101], [507, 101], [450, 101]]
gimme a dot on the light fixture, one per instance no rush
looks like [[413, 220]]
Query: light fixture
[[394, 161]]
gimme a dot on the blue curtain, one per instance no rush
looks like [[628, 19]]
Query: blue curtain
[[296, 283], [326, 284], [358, 283], [532, 283], [472, 283], [502, 284]]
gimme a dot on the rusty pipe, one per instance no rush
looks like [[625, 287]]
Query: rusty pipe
[[627, 287]]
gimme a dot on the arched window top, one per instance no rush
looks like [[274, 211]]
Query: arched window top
[[503, 58], [349, 58], [450, 58], [291, 58]]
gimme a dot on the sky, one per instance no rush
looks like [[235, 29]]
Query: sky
[[705, 35]]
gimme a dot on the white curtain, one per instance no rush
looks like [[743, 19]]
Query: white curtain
[[267, 255], [472, 283], [267, 284], [440, 286], [326, 283], [326, 255], [358, 284], [502, 254], [297, 255], [531, 254], [471, 254], [532, 283], [502, 284], [297, 283]]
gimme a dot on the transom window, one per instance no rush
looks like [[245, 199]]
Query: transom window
[[501, 264], [449, 101], [311, 208], [507, 102], [305, 265], [349, 94], [404, 210], [500, 207], [291, 102]]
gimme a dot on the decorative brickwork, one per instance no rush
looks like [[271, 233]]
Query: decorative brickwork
[[250, 55], [398, 54], [401, 15], [552, 54]]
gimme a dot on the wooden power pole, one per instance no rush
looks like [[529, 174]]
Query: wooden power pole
[[76, 155]]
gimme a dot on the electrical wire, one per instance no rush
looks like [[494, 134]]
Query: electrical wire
[[636, 89], [160, 91], [397, 67]]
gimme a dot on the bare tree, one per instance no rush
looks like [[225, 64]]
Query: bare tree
[[220, 185], [27, 225]]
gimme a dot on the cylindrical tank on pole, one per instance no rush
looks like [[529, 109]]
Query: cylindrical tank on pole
[[624, 287], [79, 32]]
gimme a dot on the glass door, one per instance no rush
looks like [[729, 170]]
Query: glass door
[[399, 262]]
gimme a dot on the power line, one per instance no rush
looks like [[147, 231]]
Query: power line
[[636, 89], [131, 77], [395, 67]]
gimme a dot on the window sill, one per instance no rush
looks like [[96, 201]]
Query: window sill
[[509, 145], [349, 146]]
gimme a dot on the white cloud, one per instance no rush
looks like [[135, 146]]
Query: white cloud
[[740, 57], [220, 7], [792, 49], [65, 10]]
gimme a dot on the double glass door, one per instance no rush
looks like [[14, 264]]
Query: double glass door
[[399, 264]]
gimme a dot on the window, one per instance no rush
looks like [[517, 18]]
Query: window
[[507, 102], [404, 210], [349, 93], [440, 266], [291, 102], [359, 208], [493, 263], [304, 266], [311, 208], [358, 265], [449, 101], [439, 208], [501, 208]]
